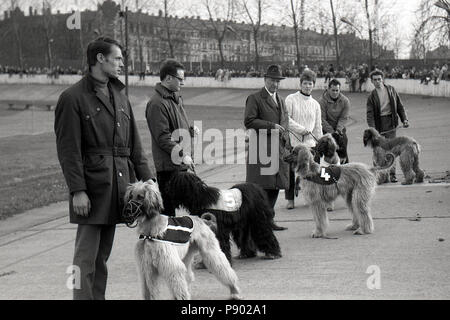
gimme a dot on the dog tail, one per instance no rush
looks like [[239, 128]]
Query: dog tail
[[389, 161]]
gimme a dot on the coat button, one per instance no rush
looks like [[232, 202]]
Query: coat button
[[120, 174], [87, 117], [118, 124], [98, 109]]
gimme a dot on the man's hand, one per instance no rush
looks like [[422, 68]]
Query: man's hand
[[405, 124], [187, 160], [278, 127], [81, 203]]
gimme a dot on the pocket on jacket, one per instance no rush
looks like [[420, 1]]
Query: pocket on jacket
[[93, 162]]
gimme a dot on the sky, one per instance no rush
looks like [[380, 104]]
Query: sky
[[402, 9]]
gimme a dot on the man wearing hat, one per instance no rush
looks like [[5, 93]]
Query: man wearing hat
[[266, 119]]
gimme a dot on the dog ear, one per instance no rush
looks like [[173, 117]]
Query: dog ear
[[366, 137], [152, 198], [127, 194]]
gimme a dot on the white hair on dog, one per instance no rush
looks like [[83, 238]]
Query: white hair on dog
[[157, 260]]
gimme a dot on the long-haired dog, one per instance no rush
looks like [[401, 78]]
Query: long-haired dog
[[326, 148], [355, 182], [242, 211], [405, 148], [167, 246]]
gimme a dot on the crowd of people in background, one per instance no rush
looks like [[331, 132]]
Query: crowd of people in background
[[356, 75]]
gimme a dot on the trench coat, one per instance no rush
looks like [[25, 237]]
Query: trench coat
[[261, 112], [99, 148]]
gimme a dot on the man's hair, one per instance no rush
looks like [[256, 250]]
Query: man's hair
[[308, 75], [101, 45], [169, 67], [376, 72], [334, 82]]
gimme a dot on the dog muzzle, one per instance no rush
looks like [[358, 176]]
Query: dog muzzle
[[130, 212]]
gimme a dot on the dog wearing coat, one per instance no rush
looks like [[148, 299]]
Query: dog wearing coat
[[405, 148], [167, 246], [242, 211], [355, 182]]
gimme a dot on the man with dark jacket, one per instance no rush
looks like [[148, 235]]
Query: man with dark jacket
[[100, 153], [167, 122], [384, 107], [335, 110], [265, 116]]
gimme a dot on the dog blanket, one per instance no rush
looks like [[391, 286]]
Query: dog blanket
[[178, 231], [326, 176], [230, 200]]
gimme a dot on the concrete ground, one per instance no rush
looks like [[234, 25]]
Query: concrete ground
[[412, 258]]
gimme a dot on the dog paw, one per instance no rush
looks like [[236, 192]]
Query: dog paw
[[271, 256], [351, 227], [358, 232], [236, 296], [246, 255], [407, 182], [317, 234]]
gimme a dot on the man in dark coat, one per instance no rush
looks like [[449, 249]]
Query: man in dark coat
[[100, 153], [169, 128], [266, 118], [384, 107]]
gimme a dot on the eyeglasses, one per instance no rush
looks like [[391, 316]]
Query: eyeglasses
[[179, 78]]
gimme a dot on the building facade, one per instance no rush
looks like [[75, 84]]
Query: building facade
[[42, 39]]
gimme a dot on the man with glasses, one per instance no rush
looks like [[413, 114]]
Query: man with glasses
[[166, 119]]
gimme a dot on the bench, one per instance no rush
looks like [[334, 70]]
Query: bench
[[27, 104]]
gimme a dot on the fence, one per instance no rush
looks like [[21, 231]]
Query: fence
[[407, 86]]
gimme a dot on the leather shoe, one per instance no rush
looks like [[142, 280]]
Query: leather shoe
[[393, 179], [278, 228]]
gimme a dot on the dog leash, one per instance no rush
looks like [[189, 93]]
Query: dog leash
[[301, 140], [392, 130]]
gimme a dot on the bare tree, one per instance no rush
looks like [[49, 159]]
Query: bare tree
[[15, 19], [48, 26], [297, 17], [335, 32], [433, 24], [253, 11], [216, 8]]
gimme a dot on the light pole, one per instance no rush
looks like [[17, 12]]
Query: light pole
[[344, 20]]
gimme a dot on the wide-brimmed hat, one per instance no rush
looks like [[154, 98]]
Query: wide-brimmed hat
[[274, 72]]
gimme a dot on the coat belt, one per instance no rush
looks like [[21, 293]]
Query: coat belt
[[109, 151]]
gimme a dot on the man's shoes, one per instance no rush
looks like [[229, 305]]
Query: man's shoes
[[290, 205], [277, 228], [393, 179]]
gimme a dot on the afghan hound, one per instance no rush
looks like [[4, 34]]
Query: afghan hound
[[326, 149], [342, 142], [355, 182], [242, 211], [405, 148], [167, 245]]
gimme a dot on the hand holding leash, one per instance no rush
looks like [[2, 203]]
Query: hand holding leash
[[281, 128], [405, 124]]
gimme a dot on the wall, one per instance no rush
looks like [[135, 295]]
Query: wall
[[401, 85]]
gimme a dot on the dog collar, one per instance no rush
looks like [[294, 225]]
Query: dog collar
[[179, 230], [326, 176]]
